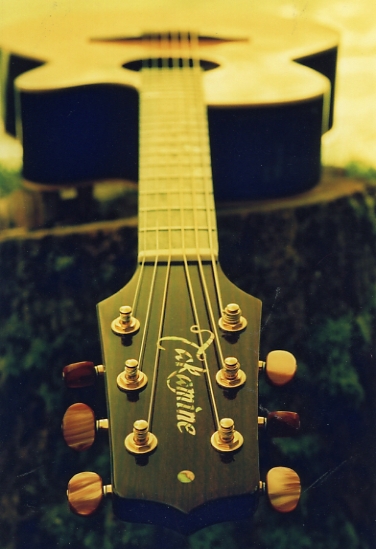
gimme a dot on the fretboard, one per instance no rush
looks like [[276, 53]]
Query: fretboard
[[176, 204]]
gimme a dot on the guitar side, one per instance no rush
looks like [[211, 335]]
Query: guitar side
[[70, 114]]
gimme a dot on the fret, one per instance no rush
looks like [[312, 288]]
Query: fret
[[161, 186], [164, 134], [179, 185], [195, 172], [158, 218], [176, 229], [164, 145], [175, 140], [172, 209], [176, 205], [188, 196], [167, 160]]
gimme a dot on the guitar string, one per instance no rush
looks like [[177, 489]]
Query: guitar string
[[152, 286], [203, 137], [153, 76], [194, 81], [136, 294], [147, 319], [167, 167], [190, 288], [200, 101], [157, 352], [209, 202]]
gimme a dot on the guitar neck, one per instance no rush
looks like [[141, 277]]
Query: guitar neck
[[176, 204]]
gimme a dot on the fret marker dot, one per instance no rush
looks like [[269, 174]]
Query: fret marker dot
[[186, 476]]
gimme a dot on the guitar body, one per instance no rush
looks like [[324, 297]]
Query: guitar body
[[160, 488], [71, 95]]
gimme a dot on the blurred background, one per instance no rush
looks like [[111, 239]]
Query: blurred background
[[313, 264]]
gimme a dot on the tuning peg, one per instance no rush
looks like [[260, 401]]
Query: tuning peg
[[125, 323], [79, 426], [280, 424], [232, 319], [85, 493], [81, 374], [280, 367], [283, 489]]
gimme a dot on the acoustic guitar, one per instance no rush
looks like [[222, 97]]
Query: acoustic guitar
[[180, 342]]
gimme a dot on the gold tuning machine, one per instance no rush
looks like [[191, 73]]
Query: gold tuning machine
[[231, 376], [226, 439], [232, 320], [132, 379], [79, 426], [85, 493], [283, 489], [125, 324], [280, 367], [141, 440]]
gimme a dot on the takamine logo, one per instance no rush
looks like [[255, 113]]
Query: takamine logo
[[180, 382]]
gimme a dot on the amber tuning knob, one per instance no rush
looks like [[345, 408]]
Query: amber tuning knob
[[280, 367], [81, 374], [85, 493], [283, 489], [281, 423], [79, 426]]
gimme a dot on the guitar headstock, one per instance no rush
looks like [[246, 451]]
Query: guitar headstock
[[181, 364]]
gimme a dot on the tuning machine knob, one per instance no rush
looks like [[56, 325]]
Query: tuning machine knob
[[141, 440], [125, 324], [226, 439], [280, 367], [81, 374], [85, 493], [283, 489], [280, 424], [232, 319], [132, 379], [79, 426], [230, 376]]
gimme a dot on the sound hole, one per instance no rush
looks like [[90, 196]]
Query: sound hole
[[170, 62], [166, 39]]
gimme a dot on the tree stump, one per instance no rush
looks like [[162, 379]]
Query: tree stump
[[312, 261]]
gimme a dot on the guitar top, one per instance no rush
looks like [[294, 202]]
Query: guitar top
[[268, 86]]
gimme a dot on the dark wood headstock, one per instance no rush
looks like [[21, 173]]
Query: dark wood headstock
[[182, 398]]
